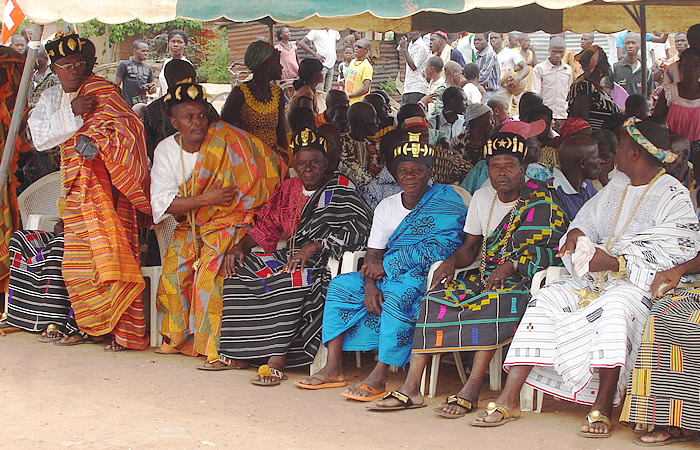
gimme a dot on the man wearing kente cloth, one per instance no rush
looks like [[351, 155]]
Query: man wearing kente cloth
[[580, 335], [377, 308], [212, 178], [513, 227], [105, 195]]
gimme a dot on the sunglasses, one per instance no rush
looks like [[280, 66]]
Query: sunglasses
[[80, 65]]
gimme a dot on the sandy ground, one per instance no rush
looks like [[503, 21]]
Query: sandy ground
[[81, 397]]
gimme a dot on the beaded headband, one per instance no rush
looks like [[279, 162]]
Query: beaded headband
[[307, 138], [505, 143], [662, 155], [414, 150]]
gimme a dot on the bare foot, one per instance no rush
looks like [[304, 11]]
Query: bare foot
[[73, 339], [323, 376], [663, 434], [51, 332]]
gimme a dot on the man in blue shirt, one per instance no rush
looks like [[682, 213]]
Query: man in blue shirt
[[489, 66], [578, 157]]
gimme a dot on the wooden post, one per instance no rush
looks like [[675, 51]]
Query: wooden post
[[643, 32], [20, 104]]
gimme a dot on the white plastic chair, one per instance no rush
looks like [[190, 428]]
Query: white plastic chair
[[37, 204], [527, 393], [350, 262], [164, 235]]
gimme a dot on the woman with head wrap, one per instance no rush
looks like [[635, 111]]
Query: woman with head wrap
[[273, 300], [177, 41], [587, 98], [257, 106]]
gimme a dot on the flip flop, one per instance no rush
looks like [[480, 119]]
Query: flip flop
[[325, 383], [163, 352], [680, 437], [491, 408], [85, 340], [406, 403], [592, 417], [375, 394], [267, 371], [455, 400]]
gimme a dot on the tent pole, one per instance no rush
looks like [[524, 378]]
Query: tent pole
[[20, 105], [643, 29]]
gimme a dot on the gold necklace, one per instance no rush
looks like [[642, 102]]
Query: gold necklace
[[504, 241], [267, 107], [189, 192]]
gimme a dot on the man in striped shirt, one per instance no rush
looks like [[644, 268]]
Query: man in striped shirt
[[489, 67]]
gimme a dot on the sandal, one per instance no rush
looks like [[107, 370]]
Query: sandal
[[491, 408], [85, 339], [267, 371], [374, 394], [326, 383], [114, 347], [676, 436], [50, 329], [405, 400], [230, 364], [455, 400], [593, 417]]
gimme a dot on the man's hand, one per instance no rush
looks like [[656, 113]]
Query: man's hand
[[403, 44], [445, 271], [374, 270], [218, 196], [430, 98], [666, 280], [570, 244], [233, 258], [83, 104], [497, 279], [298, 260], [602, 261], [373, 299], [58, 227]]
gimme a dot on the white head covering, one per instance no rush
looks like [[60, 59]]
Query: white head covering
[[475, 110]]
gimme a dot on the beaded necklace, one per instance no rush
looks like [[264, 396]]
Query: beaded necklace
[[262, 107]]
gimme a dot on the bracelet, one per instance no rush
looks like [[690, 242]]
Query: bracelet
[[621, 267]]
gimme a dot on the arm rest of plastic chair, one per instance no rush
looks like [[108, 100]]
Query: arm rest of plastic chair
[[436, 264], [351, 261], [555, 272], [334, 267], [41, 222], [546, 276]]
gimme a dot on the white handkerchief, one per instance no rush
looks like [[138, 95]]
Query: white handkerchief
[[581, 258]]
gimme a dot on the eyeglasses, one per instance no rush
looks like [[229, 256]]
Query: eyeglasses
[[80, 65]]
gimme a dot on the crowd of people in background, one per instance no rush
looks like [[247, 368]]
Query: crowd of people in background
[[494, 159]]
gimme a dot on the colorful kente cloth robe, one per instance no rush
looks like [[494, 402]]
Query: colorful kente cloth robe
[[11, 65], [271, 312], [432, 231], [106, 198], [37, 295], [577, 325], [190, 290], [462, 316], [664, 386]]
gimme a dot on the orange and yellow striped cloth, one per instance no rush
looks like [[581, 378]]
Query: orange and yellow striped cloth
[[11, 65], [105, 200], [191, 299]]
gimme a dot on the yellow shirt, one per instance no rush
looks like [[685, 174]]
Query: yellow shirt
[[358, 72]]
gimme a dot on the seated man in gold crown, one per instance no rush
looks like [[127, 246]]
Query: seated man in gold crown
[[377, 307], [513, 226]]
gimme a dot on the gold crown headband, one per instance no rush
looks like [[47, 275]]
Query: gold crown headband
[[502, 144], [185, 92], [63, 44], [307, 138], [414, 148]]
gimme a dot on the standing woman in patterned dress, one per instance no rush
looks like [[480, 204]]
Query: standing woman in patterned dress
[[257, 106]]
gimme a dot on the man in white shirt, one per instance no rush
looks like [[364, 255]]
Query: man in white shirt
[[552, 79], [416, 53], [514, 69], [324, 42]]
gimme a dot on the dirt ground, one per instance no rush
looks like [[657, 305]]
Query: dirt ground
[[83, 398]]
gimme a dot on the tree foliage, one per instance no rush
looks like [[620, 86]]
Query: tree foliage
[[122, 31]]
